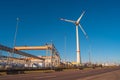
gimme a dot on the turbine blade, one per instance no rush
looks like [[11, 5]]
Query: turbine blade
[[83, 31], [67, 20], [80, 17]]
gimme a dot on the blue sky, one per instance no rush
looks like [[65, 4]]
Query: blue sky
[[40, 23]]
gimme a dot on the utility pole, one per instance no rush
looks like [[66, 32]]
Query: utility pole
[[65, 52], [89, 58], [89, 55]]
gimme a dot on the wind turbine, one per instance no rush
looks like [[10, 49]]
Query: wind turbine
[[77, 23]]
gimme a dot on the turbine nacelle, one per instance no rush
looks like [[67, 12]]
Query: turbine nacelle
[[77, 23]]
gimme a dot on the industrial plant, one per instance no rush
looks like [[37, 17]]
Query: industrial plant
[[19, 59]]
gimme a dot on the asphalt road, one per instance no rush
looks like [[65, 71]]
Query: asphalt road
[[113, 75], [68, 75]]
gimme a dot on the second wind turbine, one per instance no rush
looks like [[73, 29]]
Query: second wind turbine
[[77, 23]]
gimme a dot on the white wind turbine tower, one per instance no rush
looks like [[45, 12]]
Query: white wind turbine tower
[[77, 23]]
